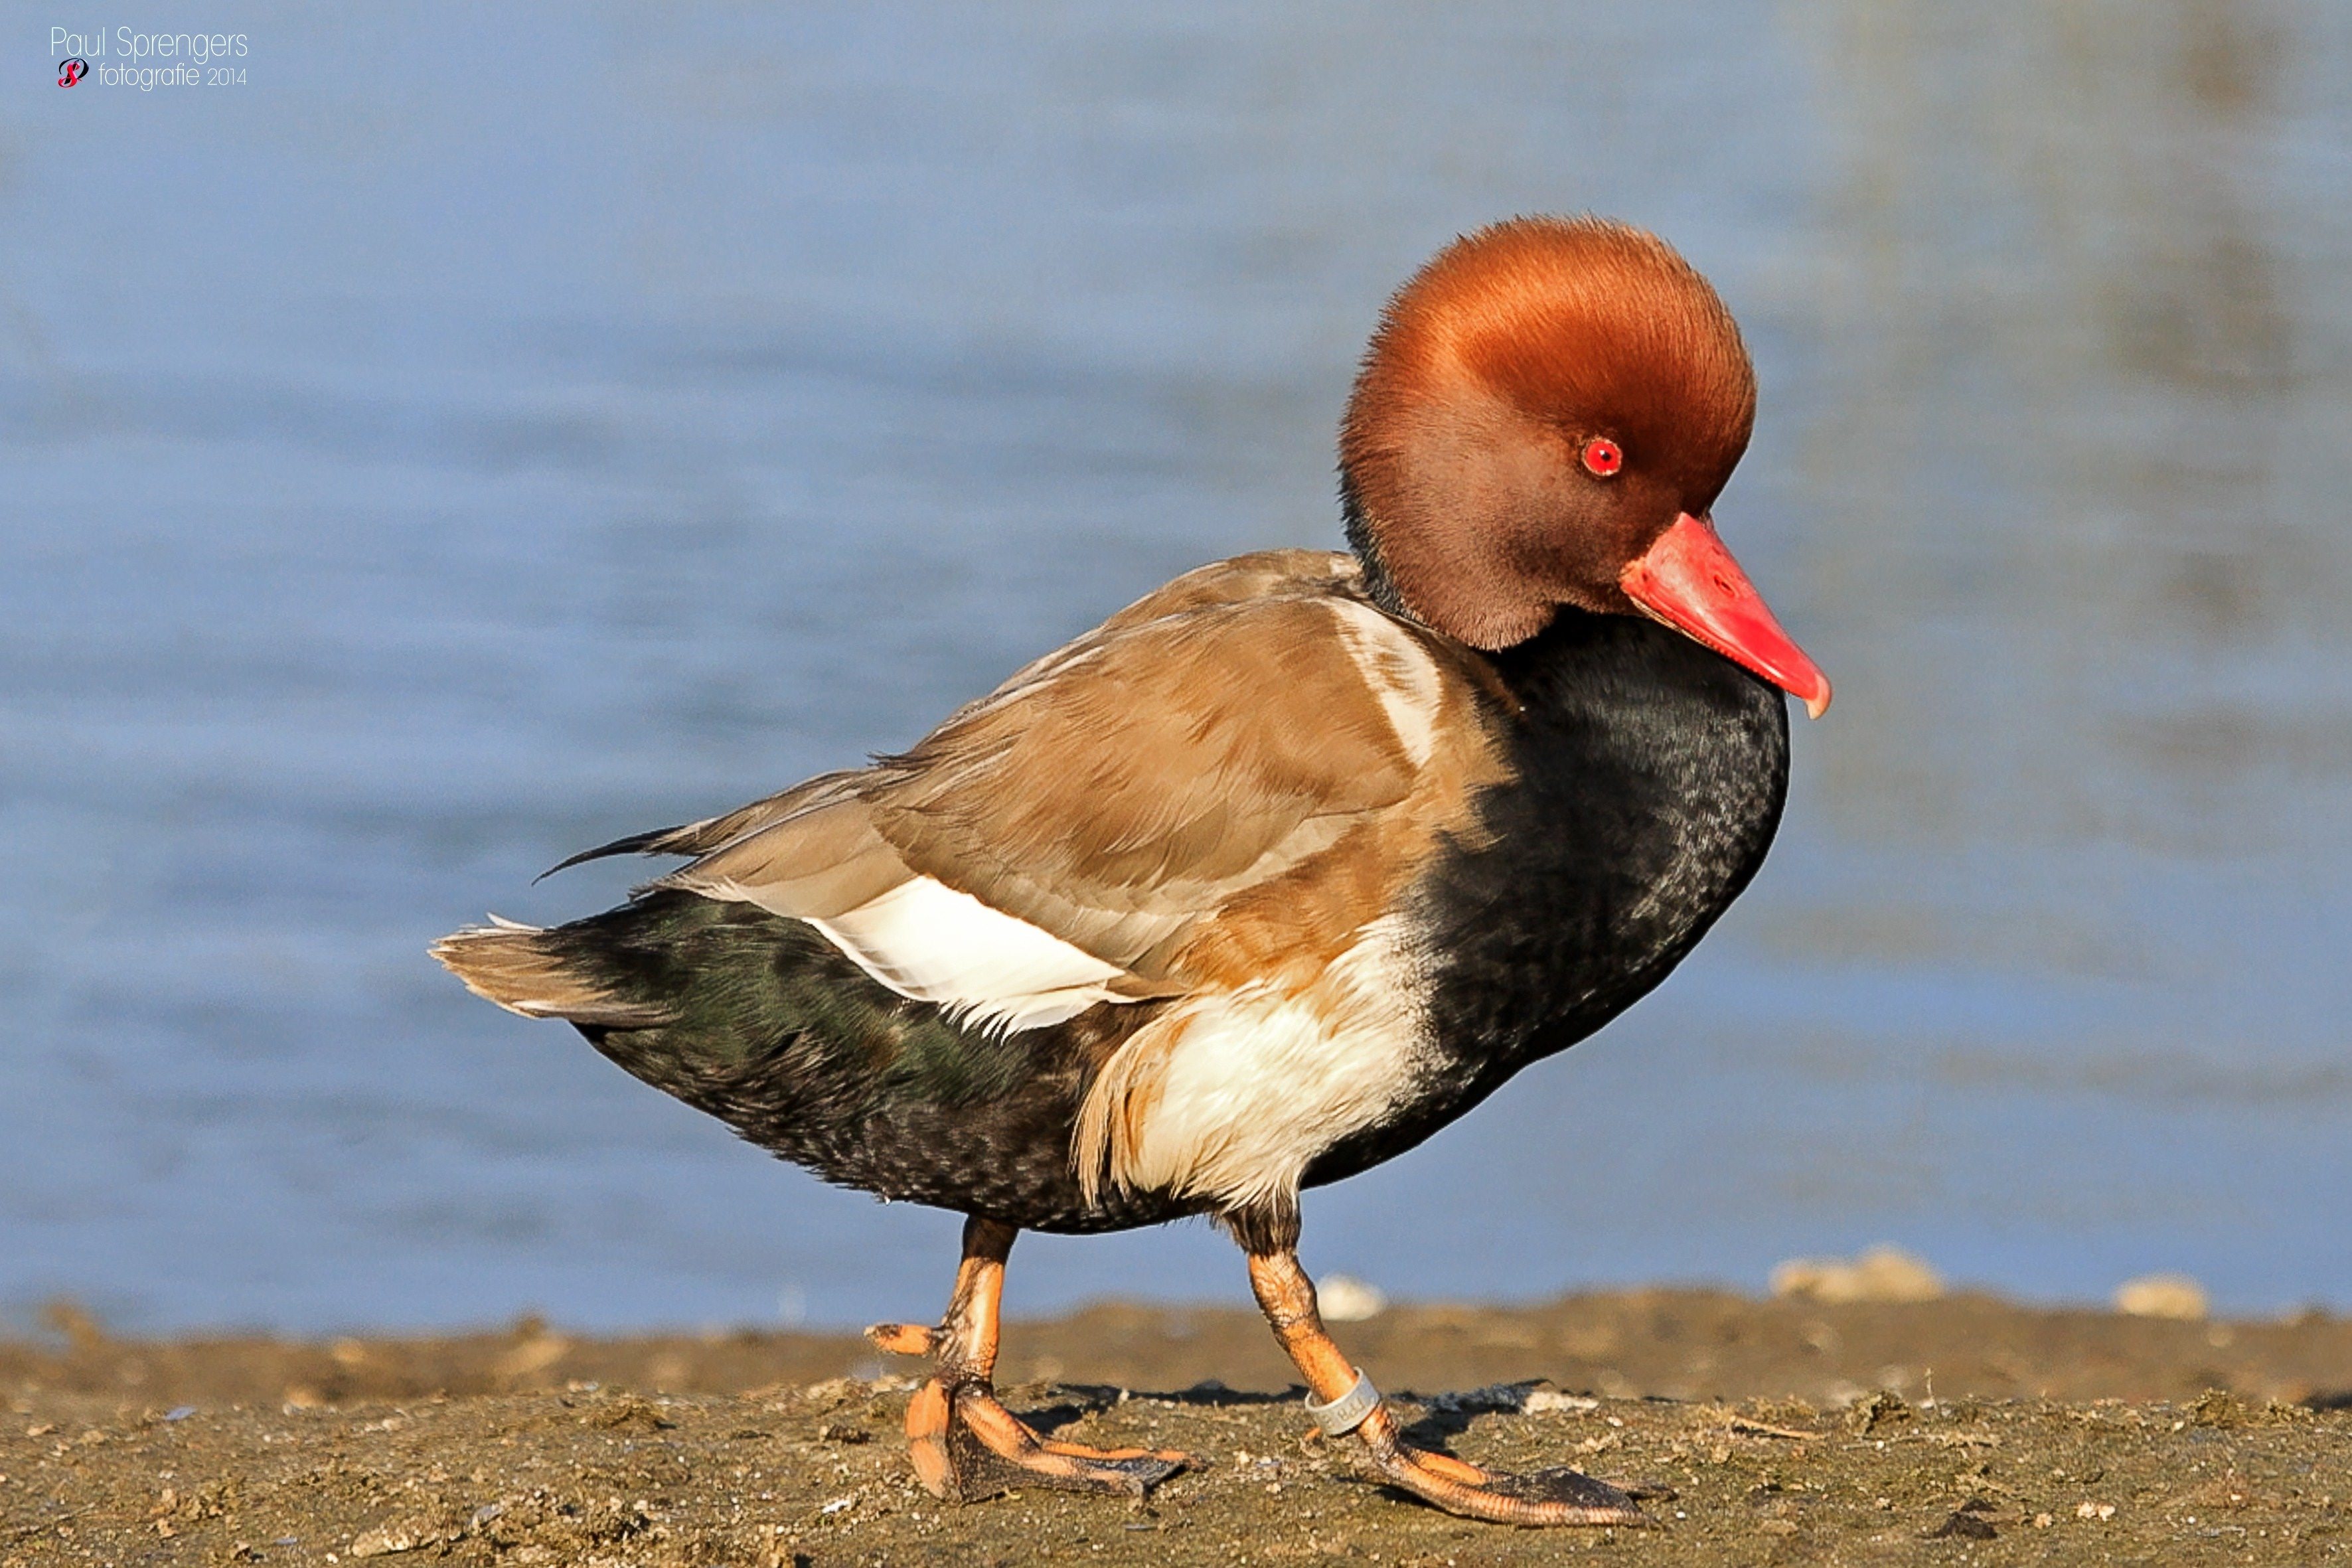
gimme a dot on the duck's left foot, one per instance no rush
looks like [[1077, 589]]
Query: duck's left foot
[[1344, 1403], [1552, 1496], [967, 1446]]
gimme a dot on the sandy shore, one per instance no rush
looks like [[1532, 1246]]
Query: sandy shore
[[1759, 1431]]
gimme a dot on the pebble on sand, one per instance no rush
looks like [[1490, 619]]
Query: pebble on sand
[[1345, 1299], [1879, 1274], [2162, 1296]]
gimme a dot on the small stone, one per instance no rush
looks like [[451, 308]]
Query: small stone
[[398, 1536], [1879, 1274], [1345, 1299], [2175, 1295], [628, 1415], [1963, 1526], [1873, 1411], [2219, 1407], [1548, 1401]]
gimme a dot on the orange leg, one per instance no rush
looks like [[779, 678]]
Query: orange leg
[[1344, 1403], [965, 1444]]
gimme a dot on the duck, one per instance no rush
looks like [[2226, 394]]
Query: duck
[[1273, 874]]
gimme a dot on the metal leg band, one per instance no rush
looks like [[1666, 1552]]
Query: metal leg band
[[1348, 1412]]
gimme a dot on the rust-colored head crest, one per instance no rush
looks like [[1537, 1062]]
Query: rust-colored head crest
[[1537, 406]]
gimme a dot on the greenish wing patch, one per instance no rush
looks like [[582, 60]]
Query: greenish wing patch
[[745, 986]]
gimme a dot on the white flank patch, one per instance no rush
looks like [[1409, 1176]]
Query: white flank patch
[[926, 941], [1240, 1091], [1399, 672]]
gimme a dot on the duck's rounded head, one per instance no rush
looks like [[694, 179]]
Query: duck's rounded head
[[1545, 417]]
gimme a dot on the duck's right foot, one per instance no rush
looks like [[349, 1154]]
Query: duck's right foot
[[966, 1446], [1554, 1497], [1345, 1404]]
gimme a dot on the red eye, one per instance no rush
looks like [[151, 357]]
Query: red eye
[[1601, 456]]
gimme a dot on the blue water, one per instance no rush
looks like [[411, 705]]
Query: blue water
[[490, 430]]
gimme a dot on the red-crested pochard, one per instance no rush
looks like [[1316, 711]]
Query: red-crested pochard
[[1275, 872]]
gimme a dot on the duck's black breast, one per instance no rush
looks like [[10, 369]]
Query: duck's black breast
[[1648, 779]]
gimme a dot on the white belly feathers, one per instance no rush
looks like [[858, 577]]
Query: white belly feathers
[[1230, 1096]]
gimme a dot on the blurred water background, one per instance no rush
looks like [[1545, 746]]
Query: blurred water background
[[493, 430]]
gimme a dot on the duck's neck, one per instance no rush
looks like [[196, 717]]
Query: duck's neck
[[1378, 585], [1650, 774]]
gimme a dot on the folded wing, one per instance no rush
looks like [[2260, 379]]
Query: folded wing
[[1077, 836]]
